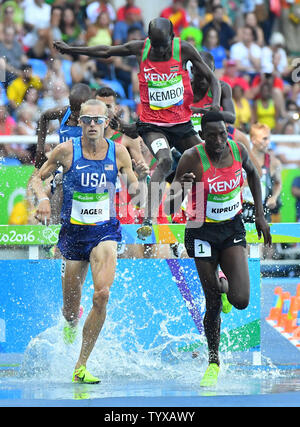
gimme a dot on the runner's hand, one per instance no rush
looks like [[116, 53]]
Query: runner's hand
[[186, 178], [141, 169], [263, 227], [43, 212], [61, 46]]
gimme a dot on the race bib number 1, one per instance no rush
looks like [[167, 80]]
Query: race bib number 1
[[202, 249]]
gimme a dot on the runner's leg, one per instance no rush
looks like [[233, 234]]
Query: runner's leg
[[208, 274], [234, 264], [158, 145], [103, 261], [73, 277]]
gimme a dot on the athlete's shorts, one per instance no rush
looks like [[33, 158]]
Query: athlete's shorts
[[76, 242], [208, 241], [174, 134]]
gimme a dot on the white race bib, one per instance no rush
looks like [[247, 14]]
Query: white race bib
[[201, 248], [221, 207], [166, 93], [90, 208]]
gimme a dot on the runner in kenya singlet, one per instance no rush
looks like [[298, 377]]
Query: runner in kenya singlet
[[165, 88]]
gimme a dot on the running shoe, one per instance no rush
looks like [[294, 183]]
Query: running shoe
[[226, 306], [70, 332], [210, 377], [83, 376], [145, 230]]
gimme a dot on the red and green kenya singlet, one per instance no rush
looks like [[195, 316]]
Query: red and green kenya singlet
[[206, 103], [165, 88], [222, 186]]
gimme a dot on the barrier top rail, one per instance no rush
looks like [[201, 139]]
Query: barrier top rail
[[36, 235], [53, 139]]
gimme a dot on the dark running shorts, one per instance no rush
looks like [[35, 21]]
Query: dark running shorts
[[208, 241], [174, 134], [76, 242]]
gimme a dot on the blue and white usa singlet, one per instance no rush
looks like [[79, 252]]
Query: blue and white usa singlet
[[88, 214], [66, 132]]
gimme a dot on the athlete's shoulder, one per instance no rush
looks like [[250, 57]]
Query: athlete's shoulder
[[54, 113]]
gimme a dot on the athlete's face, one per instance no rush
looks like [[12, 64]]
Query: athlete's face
[[161, 44], [93, 130], [110, 103], [215, 136], [261, 140]]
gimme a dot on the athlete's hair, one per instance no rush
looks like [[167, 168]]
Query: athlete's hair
[[160, 24], [105, 92], [79, 89], [256, 127], [211, 116], [94, 102]]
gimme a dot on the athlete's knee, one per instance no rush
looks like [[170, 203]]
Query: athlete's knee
[[100, 298], [165, 165], [240, 302]]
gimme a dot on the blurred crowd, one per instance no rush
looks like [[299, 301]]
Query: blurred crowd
[[255, 45]]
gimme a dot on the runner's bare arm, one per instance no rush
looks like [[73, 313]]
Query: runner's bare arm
[[137, 187], [189, 53], [186, 173], [101, 51], [227, 103], [51, 114], [262, 226]]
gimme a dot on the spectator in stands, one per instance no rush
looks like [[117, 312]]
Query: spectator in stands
[[122, 11], [11, 15], [211, 44], [277, 86], [225, 30], [8, 126], [288, 152], [275, 54], [133, 18], [209, 16], [94, 9], [247, 53], [100, 32], [192, 35], [232, 77], [17, 89], [251, 21], [83, 70], [55, 22], [242, 109], [264, 108], [30, 103], [127, 67], [290, 25], [292, 117], [55, 96], [25, 126], [55, 74], [193, 17], [12, 51], [37, 41], [70, 29], [177, 15], [296, 194]]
